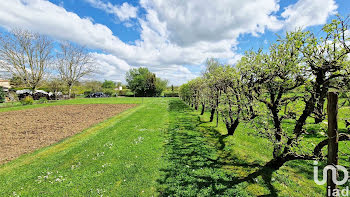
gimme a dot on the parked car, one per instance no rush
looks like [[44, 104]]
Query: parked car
[[97, 95], [23, 93]]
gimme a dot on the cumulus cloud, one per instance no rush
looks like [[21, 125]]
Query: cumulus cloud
[[189, 22], [123, 12], [104, 59], [173, 33], [307, 13]]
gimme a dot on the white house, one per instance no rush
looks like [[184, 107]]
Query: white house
[[5, 84]]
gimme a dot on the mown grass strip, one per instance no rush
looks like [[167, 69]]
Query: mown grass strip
[[194, 167]]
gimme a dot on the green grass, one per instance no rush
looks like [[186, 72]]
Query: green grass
[[201, 162], [118, 100], [120, 156], [160, 148]]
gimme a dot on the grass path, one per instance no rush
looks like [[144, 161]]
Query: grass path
[[118, 157], [194, 166]]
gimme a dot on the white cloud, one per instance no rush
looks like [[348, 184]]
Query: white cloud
[[123, 12], [173, 33], [307, 13], [111, 60], [189, 22]]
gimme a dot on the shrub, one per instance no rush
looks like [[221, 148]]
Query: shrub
[[42, 100], [28, 100], [125, 92], [86, 93], [129, 93], [171, 94], [2, 95], [109, 91]]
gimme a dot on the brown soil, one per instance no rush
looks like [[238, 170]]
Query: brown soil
[[27, 130]]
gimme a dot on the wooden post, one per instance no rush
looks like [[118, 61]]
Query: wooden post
[[332, 108]]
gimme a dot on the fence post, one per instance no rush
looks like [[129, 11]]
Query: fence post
[[332, 108]]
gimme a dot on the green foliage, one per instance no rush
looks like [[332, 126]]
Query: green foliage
[[2, 95], [184, 92], [16, 82], [125, 92], [144, 83], [171, 94], [55, 85], [109, 91], [28, 100], [129, 94], [93, 86], [42, 100], [108, 84]]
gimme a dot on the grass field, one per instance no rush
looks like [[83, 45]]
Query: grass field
[[159, 148], [118, 157]]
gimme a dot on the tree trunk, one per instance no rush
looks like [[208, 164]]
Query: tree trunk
[[212, 112], [203, 108], [217, 118], [196, 106], [319, 109], [278, 133], [70, 92], [232, 128]]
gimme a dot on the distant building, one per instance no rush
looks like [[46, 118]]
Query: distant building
[[5, 84], [119, 88]]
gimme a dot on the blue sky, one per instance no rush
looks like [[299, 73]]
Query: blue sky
[[173, 38]]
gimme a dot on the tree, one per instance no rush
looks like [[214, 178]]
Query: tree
[[55, 85], [144, 83], [185, 93], [108, 84], [211, 76], [26, 55], [195, 87], [234, 105], [326, 57], [290, 73], [73, 63], [93, 86]]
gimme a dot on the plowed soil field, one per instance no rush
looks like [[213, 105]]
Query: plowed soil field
[[27, 130]]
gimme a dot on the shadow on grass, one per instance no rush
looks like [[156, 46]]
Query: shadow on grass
[[198, 165]]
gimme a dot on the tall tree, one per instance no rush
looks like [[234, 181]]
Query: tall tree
[[73, 63], [26, 55], [108, 84], [145, 83]]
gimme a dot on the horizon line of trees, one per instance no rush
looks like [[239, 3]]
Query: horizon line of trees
[[289, 82]]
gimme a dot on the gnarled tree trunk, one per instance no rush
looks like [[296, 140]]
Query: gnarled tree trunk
[[212, 112], [231, 128], [203, 108]]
